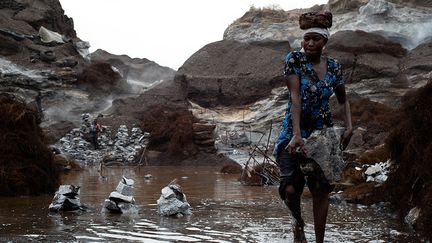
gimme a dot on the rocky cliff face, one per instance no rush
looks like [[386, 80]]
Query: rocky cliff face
[[39, 52], [374, 40], [27, 16]]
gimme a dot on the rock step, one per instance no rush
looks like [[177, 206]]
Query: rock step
[[207, 142], [203, 135], [200, 127]]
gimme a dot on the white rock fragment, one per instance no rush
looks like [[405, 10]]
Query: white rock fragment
[[378, 172], [124, 189]]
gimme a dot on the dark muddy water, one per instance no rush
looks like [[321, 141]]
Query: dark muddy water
[[223, 211]]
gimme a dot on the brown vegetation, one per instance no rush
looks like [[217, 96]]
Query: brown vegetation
[[63, 163], [378, 154], [410, 144], [26, 163], [171, 131], [99, 75], [365, 193]]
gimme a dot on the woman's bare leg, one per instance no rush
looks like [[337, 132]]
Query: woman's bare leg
[[320, 210], [293, 203], [292, 200]]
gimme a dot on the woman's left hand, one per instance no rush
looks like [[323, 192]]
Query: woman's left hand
[[346, 137]]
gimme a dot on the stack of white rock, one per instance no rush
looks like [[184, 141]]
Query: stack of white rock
[[66, 199], [173, 202], [121, 200], [377, 172]]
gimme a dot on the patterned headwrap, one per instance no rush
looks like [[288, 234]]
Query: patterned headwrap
[[322, 31]]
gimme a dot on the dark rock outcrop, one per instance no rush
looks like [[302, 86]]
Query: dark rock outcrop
[[365, 55], [419, 59], [231, 73], [100, 77], [136, 69], [47, 13]]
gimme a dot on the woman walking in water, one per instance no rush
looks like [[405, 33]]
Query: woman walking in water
[[311, 79]]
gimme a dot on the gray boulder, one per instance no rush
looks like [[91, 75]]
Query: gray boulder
[[173, 202], [323, 147], [66, 199]]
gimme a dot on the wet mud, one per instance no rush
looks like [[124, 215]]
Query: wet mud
[[223, 211]]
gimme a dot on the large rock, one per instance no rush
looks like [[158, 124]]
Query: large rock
[[48, 13], [231, 73], [419, 59], [323, 147], [372, 65], [66, 199], [365, 55], [360, 42], [139, 71], [172, 202]]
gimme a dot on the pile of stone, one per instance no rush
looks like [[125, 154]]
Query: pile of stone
[[172, 202], [121, 200], [124, 148], [75, 146], [377, 172], [66, 199]]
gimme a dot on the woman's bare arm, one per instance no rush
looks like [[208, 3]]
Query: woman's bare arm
[[343, 101], [293, 83]]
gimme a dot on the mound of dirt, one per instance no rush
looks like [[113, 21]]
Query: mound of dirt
[[99, 76], [26, 163], [171, 131], [98, 73], [410, 143]]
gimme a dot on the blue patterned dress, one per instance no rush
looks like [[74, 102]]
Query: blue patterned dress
[[315, 95]]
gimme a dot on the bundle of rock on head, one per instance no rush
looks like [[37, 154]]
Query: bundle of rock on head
[[315, 19]]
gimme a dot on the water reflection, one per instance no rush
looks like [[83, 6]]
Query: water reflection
[[223, 211]]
